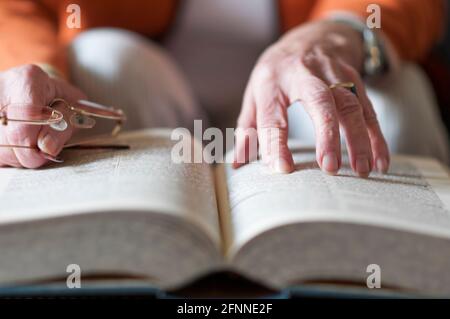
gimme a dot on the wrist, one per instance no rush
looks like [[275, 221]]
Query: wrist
[[376, 61], [353, 52]]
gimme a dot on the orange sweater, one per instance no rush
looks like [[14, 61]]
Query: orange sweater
[[35, 30]]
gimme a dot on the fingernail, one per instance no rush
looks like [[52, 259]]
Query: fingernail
[[55, 159], [382, 165], [330, 163], [48, 144], [282, 166], [362, 166]]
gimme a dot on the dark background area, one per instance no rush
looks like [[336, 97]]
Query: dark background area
[[437, 66]]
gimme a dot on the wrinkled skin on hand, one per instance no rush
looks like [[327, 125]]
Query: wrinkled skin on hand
[[25, 90], [301, 66]]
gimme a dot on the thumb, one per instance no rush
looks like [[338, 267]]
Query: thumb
[[51, 141]]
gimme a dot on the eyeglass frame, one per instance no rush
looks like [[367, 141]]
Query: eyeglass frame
[[120, 118], [4, 119]]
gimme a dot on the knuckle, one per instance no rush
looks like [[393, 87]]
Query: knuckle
[[319, 95], [271, 140], [264, 72], [326, 124], [362, 149], [328, 130], [371, 118], [327, 133], [328, 118], [310, 58], [28, 84], [273, 117], [348, 107], [274, 122]]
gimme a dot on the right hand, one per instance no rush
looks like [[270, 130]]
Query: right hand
[[28, 89], [301, 66]]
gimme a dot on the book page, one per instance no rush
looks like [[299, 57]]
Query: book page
[[413, 196], [143, 178]]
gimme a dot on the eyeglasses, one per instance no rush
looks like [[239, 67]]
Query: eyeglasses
[[47, 116], [82, 114]]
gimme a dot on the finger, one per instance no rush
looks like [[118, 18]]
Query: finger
[[25, 135], [246, 149], [357, 139], [319, 103], [272, 125], [378, 142], [350, 114], [7, 156], [51, 141], [24, 104]]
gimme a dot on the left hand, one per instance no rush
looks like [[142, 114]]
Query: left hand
[[301, 66], [30, 89]]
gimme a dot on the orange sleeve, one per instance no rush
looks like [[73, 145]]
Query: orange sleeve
[[413, 26], [28, 34]]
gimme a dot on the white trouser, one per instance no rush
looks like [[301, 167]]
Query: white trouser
[[120, 68]]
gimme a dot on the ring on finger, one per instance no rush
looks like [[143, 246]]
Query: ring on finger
[[347, 85]]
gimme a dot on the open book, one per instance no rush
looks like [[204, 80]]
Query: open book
[[135, 212]]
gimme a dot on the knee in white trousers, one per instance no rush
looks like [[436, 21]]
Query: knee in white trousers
[[120, 68]]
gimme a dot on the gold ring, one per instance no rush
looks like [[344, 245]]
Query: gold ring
[[347, 85]]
